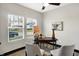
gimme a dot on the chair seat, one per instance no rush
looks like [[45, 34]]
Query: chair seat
[[56, 52], [45, 53]]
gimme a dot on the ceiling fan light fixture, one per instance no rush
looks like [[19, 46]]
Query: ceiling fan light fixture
[[43, 7], [47, 4], [57, 4]]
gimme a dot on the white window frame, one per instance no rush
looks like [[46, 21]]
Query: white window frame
[[20, 24]]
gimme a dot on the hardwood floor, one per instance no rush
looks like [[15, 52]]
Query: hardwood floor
[[18, 53]]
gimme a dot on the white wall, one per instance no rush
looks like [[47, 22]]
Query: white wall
[[15, 9], [69, 14]]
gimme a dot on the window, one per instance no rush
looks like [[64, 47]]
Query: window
[[30, 23], [15, 27]]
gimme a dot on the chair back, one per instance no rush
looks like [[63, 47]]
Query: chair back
[[32, 50], [67, 50], [63, 51]]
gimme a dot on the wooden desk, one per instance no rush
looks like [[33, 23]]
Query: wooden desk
[[47, 40]]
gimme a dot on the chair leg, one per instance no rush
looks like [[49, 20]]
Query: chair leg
[[73, 54], [25, 53], [51, 55]]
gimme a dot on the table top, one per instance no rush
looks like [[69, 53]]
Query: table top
[[48, 38]]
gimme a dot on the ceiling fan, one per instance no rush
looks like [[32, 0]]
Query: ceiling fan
[[56, 4]]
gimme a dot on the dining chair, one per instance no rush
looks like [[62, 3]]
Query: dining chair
[[34, 50], [67, 50], [63, 51]]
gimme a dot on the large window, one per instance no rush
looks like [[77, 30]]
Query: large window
[[30, 23], [15, 27]]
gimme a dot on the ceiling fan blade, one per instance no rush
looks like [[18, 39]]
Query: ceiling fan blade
[[43, 7], [57, 4]]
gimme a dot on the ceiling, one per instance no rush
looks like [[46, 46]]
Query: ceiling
[[38, 6]]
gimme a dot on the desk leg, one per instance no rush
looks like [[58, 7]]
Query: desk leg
[[54, 46]]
